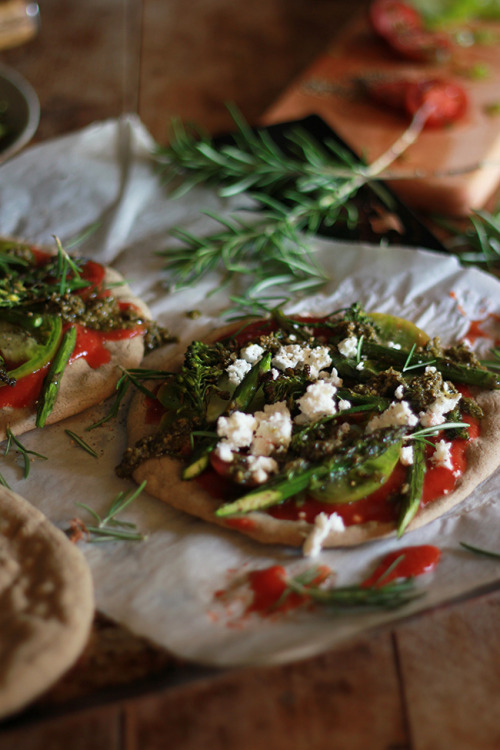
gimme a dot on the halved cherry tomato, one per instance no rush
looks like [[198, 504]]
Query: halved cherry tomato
[[421, 45], [402, 27], [445, 102], [389, 17]]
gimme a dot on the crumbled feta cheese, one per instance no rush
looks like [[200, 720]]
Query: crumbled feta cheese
[[348, 347], [224, 452], [442, 454], [290, 355], [252, 353], [317, 402], [436, 412], [430, 368], [274, 373], [237, 429], [399, 392], [323, 525], [237, 371], [273, 429], [406, 455], [331, 377], [261, 467], [393, 345], [344, 404], [317, 358], [293, 355], [360, 365], [397, 414]]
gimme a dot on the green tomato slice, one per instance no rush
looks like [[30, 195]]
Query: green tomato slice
[[32, 344], [399, 330], [360, 481]]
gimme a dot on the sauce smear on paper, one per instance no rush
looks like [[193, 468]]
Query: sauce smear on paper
[[270, 593], [407, 562]]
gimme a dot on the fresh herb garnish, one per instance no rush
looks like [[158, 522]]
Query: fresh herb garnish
[[108, 528], [390, 595], [12, 440], [295, 193], [480, 551], [81, 442], [132, 377], [479, 243]]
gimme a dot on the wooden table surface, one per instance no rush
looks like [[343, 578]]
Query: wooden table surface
[[429, 683]]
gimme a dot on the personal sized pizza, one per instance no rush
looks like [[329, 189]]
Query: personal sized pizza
[[47, 603], [67, 328], [334, 430]]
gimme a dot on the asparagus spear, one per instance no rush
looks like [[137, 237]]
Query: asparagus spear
[[451, 370], [52, 380], [412, 500], [314, 476]]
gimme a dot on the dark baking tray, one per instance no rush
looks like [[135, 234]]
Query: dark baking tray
[[370, 201]]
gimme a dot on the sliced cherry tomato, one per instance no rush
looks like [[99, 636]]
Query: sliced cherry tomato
[[421, 45], [402, 27], [389, 17], [445, 102]]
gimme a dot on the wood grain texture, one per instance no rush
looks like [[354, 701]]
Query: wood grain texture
[[451, 671], [338, 700], [196, 61], [99, 729]]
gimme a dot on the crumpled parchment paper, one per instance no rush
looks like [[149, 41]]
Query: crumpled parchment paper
[[164, 587]]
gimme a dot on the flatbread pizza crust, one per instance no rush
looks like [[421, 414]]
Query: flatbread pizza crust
[[81, 385], [46, 603], [163, 477]]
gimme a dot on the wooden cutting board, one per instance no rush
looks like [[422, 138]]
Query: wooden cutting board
[[330, 88]]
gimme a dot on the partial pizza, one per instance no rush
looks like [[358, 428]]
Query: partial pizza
[[68, 326], [335, 430], [47, 603]]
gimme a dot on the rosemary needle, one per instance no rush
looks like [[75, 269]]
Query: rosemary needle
[[81, 442], [109, 528], [25, 453], [480, 551]]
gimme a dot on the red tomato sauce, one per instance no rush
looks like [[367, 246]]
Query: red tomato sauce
[[269, 590], [90, 345], [476, 331], [407, 562]]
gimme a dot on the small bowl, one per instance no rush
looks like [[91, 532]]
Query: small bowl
[[19, 112]]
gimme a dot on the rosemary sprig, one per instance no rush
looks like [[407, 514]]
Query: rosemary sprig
[[298, 189], [391, 595], [81, 442], [132, 377], [480, 551], [108, 528], [12, 440], [479, 244]]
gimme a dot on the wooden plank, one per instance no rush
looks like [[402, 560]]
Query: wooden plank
[[330, 88], [450, 665], [97, 729], [348, 698], [81, 61], [199, 55]]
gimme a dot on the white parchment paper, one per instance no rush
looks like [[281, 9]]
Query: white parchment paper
[[164, 587]]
